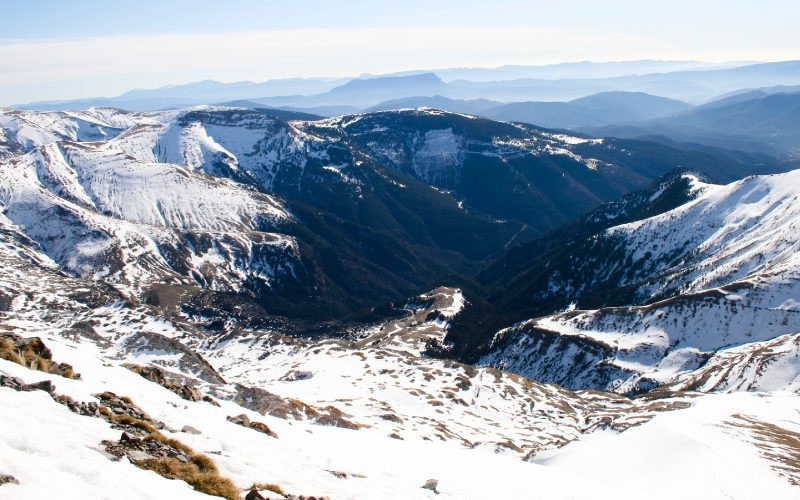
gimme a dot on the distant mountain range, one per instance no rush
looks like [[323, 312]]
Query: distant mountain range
[[584, 69], [765, 120], [595, 110], [691, 82], [749, 107]]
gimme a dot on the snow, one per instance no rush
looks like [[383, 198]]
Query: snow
[[569, 139], [32, 129], [44, 445], [439, 157], [694, 448], [58, 453]]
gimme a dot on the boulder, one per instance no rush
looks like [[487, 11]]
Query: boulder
[[8, 479], [245, 421], [431, 484]]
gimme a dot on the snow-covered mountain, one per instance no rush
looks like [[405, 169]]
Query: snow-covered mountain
[[229, 287], [237, 200], [98, 210], [24, 130], [715, 288]]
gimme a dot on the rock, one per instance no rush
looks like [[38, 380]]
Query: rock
[[244, 421], [167, 380], [266, 403], [19, 385], [130, 441], [8, 479], [65, 370], [124, 406], [294, 375], [209, 399], [138, 456], [262, 428], [12, 383], [44, 385], [188, 361], [137, 449], [188, 429], [431, 484], [330, 415], [189, 393], [254, 495], [33, 353]]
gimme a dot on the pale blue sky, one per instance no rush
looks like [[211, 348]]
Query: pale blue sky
[[58, 49]]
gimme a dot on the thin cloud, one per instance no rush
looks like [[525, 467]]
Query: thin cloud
[[46, 69], [258, 55]]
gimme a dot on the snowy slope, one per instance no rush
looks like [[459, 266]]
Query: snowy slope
[[381, 379], [728, 263], [455, 441], [694, 445], [29, 129], [730, 233], [98, 211], [246, 145], [757, 366]]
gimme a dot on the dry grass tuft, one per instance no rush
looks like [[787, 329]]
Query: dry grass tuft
[[266, 487], [32, 353], [8, 352], [205, 481], [133, 422]]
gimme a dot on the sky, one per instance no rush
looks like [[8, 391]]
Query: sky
[[54, 49]]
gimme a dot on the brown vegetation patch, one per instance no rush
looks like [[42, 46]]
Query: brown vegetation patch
[[168, 457], [205, 480], [391, 417], [266, 487], [778, 445], [32, 353]]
